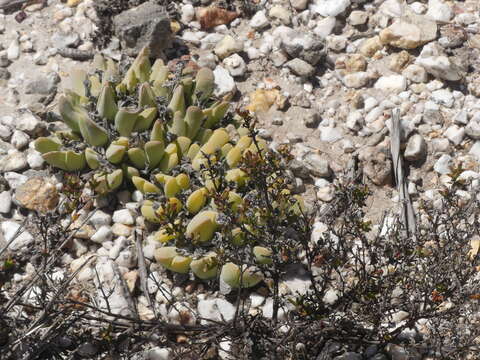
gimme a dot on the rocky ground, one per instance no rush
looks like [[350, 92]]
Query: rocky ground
[[321, 75]]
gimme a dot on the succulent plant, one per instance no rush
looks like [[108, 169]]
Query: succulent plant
[[190, 199], [129, 126], [164, 132]]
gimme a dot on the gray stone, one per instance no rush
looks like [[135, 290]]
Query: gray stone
[[100, 218], [65, 40], [300, 67], [28, 123], [475, 150], [349, 356], [127, 258], [145, 25], [43, 85], [4, 74], [317, 165], [301, 45], [416, 148]]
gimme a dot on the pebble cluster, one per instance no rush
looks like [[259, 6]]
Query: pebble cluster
[[322, 75]]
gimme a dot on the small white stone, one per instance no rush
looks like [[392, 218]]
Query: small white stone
[[259, 20], [235, 65], [14, 179], [34, 159], [104, 233], [224, 82], [394, 83], [228, 46], [19, 139], [455, 134], [158, 353], [216, 310], [100, 218], [439, 11], [5, 202], [330, 134], [443, 97], [354, 121], [370, 103], [127, 258], [9, 230], [124, 217], [358, 17], [13, 50], [325, 27], [330, 7], [280, 13], [188, 13], [137, 196], [5, 132], [443, 164], [415, 73], [416, 148], [475, 150]]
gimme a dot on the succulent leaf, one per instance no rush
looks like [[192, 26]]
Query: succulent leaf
[[125, 120], [47, 144], [202, 227], [204, 84], [106, 104]]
